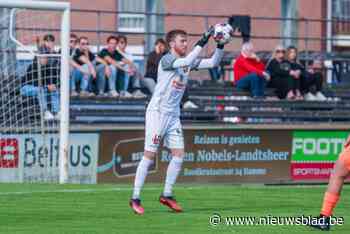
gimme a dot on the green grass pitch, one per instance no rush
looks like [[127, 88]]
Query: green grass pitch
[[49, 209]]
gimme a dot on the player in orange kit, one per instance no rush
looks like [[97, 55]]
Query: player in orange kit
[[335, 185]]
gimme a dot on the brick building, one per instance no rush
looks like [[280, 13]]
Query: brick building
[[102, 17], [98, 19]]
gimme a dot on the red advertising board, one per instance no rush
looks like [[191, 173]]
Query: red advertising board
[[311, 171], [9, 153]]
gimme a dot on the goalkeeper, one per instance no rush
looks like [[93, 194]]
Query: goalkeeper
[[163, 112]]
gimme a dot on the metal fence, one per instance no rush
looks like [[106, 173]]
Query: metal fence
[[266, 33]]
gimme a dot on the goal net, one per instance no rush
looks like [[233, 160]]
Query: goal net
[[34, 78]]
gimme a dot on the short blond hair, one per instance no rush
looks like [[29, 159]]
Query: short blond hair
[[246, 47], [278, 47]]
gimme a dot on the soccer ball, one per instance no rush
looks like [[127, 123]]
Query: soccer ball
[[222, 33]]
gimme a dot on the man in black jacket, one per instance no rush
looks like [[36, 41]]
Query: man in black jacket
[[41, 81], [283, 78], [154, 57]]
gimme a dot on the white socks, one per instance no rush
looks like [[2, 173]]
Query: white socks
[[173, 171], [141, 173]]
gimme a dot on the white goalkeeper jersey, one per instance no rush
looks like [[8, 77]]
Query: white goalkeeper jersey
[[173, 75]]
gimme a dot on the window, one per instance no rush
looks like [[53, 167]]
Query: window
[[341, 9], [341, 12], [128, 22]]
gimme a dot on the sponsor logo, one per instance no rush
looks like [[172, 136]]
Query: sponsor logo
[[178, 84], [311, 171], [156, 139], [38, 153], [317, 146], [126, 157], [8, 153], [320, 146], [39, 157], [186, 69]]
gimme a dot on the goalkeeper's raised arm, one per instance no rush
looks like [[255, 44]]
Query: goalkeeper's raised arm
[[211, 62], [180, 49]]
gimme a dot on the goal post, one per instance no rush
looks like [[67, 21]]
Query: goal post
[[63, 8], [64, 124]]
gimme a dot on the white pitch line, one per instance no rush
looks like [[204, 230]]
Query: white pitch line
[[83, 190], [70, 191], [148, 188]]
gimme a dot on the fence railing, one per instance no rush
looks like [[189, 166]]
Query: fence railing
[[266, 31]]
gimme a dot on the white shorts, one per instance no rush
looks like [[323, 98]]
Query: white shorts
[[162, 126]]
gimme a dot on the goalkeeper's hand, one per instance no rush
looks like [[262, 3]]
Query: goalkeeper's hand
[[205, 37], [220, 45]]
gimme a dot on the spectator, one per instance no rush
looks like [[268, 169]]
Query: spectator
[[134, 76], [42, 85], [73, 45], [249, 71], [48, 47], [308, 78], [186, 103], [113, 64], [282, 76], [154, 57], [85, 71], [73, 41], [215, 74]]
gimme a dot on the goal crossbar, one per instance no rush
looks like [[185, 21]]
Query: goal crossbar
[[40, 5]]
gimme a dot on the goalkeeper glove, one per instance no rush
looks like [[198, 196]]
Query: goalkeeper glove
[[205, 37], [220, 46]]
